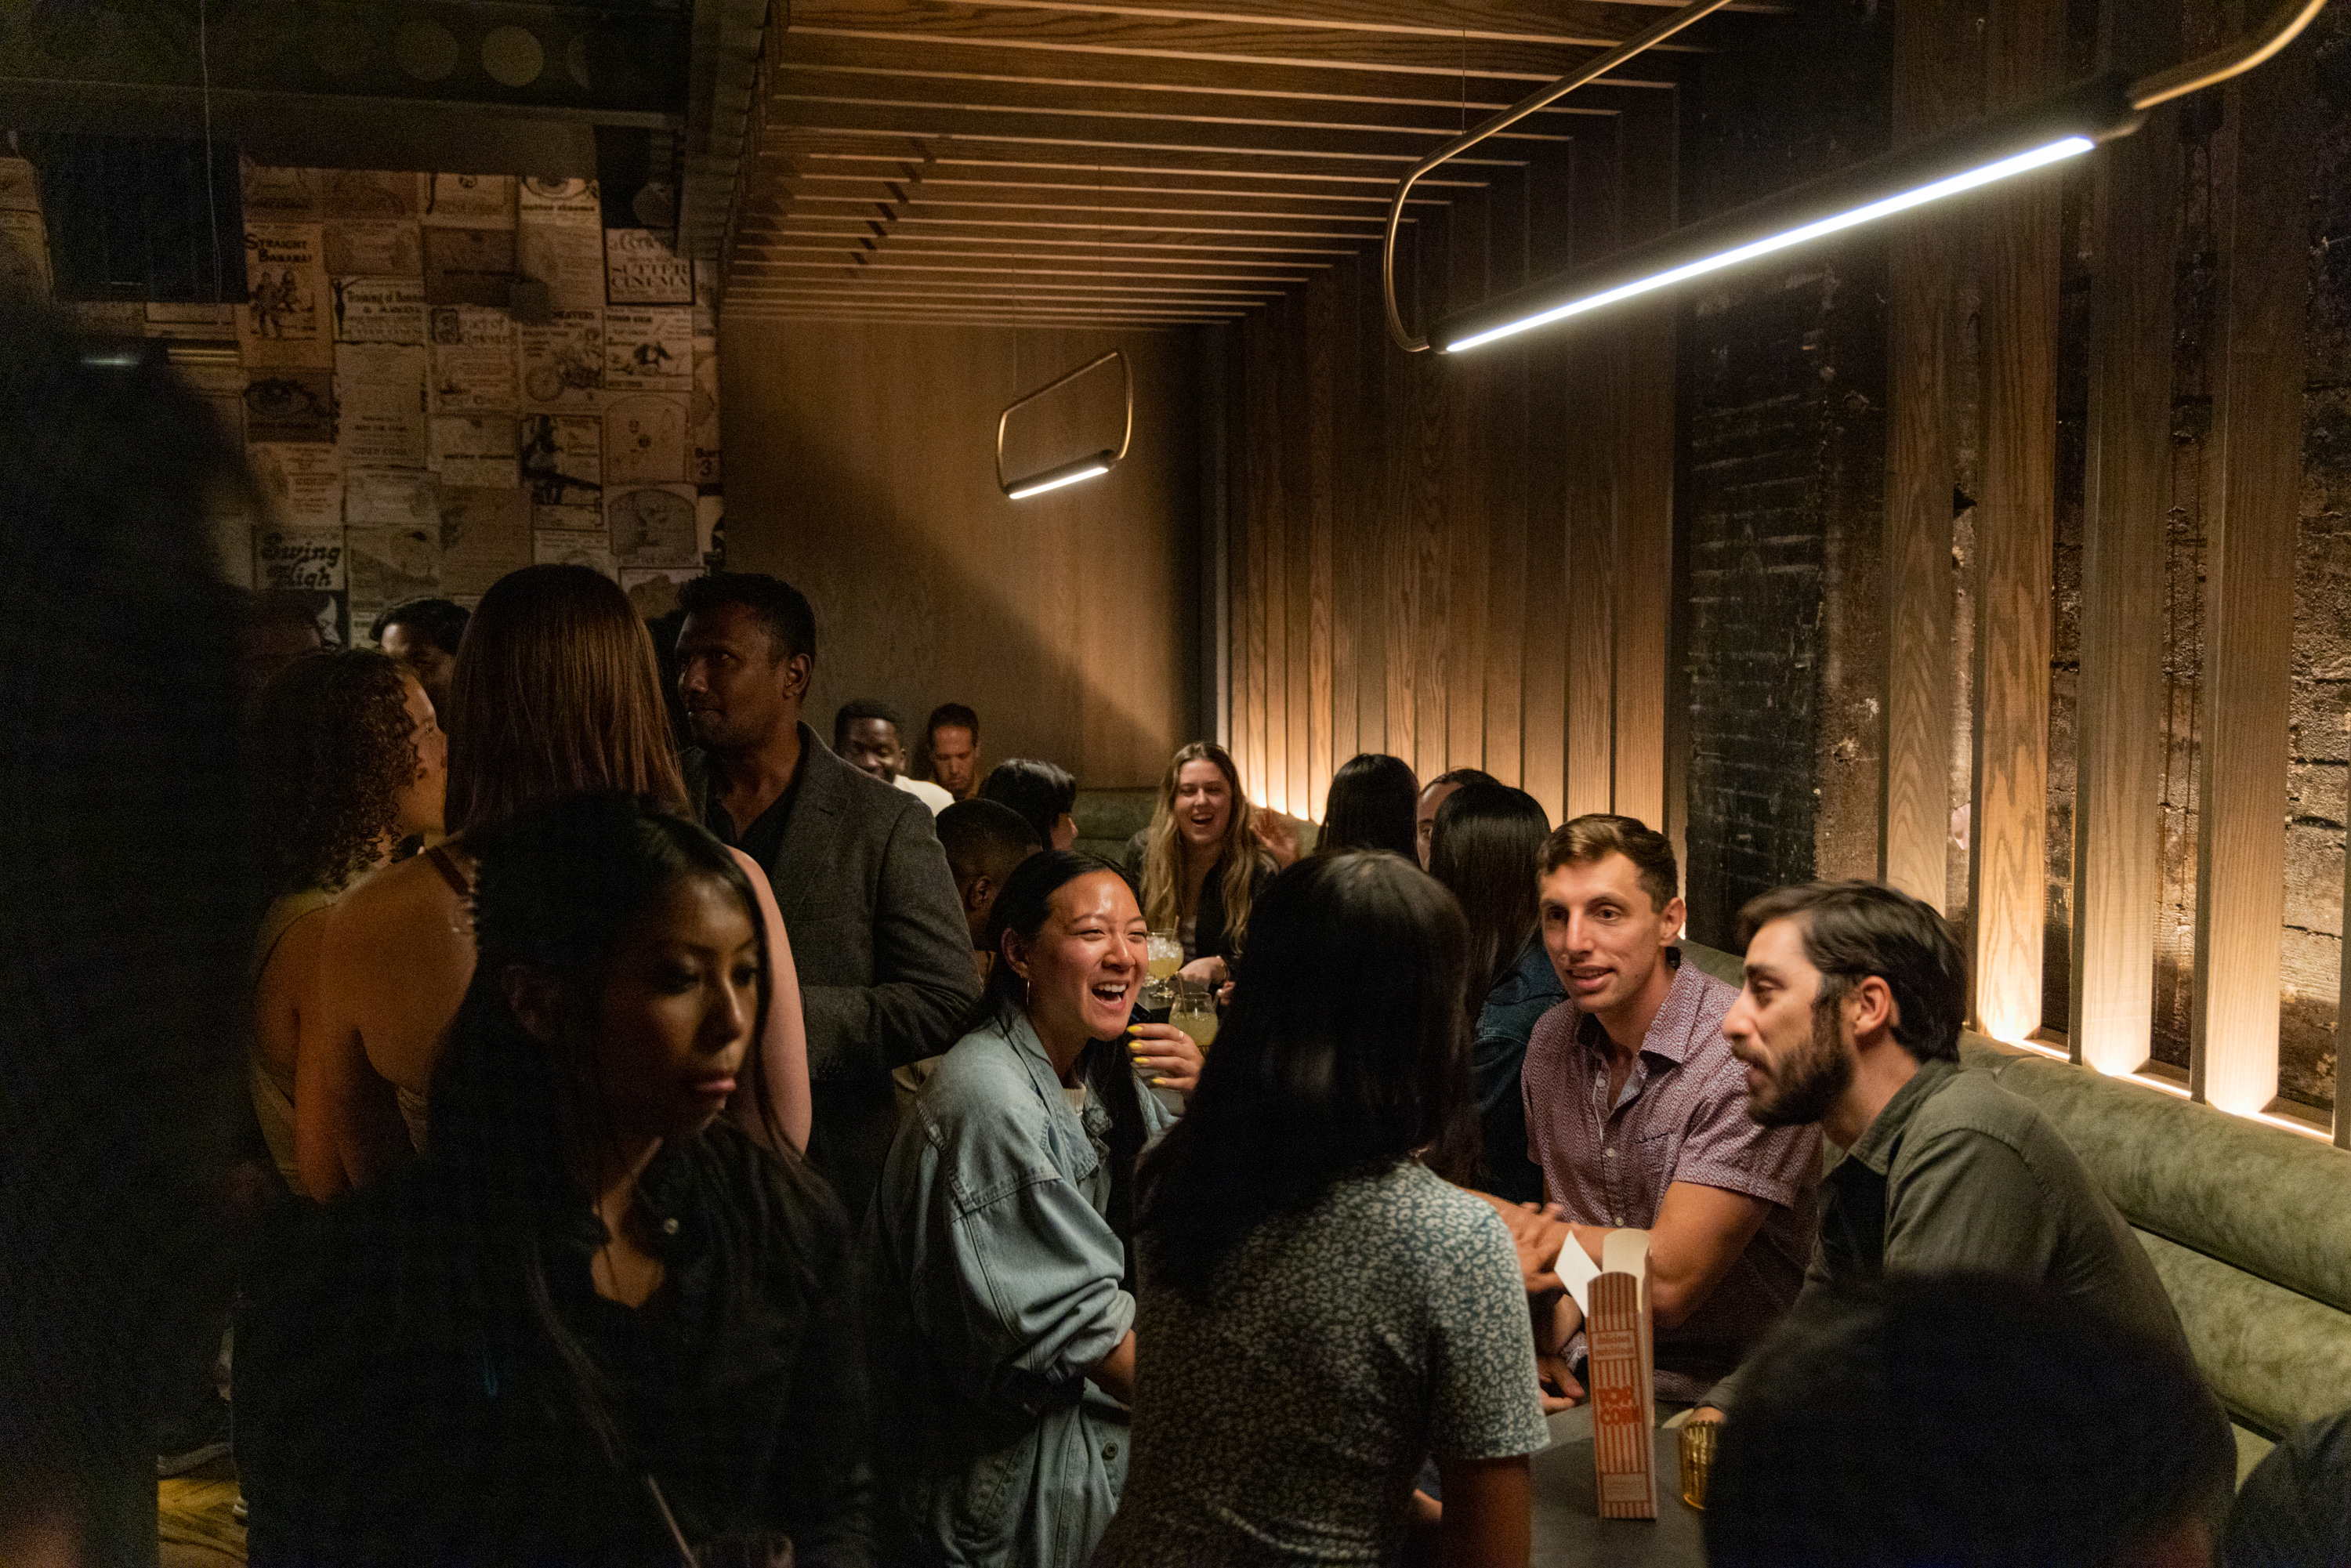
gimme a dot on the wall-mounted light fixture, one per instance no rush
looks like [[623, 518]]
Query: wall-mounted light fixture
[[1070, 472], [2052, 130]]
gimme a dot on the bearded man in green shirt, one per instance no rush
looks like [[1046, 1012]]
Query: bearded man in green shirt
[[1850, 1019]]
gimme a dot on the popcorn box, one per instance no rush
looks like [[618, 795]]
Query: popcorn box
[[1622, 1375]]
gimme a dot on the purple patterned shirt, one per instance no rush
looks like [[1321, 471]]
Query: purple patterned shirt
[[1681, 1116]]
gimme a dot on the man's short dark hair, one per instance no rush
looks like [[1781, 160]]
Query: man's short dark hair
[[984, 838], [1460, 778], [1856, 929], [781, 608], [856, 709], [1858, 1441], [1596, 835], [441, 620], [1039, 791], [952, 714]]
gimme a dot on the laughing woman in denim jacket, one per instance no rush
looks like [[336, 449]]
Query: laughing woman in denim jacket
[[997, 1244]]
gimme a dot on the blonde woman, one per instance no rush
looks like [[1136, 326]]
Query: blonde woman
[[1202, 863]]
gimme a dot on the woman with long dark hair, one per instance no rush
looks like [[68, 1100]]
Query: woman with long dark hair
[[1484, 849], [1202, 862], [557, 692], [347, 759], [1002, 1269], [1321, 1313], [1370, 807], [598, 1322]]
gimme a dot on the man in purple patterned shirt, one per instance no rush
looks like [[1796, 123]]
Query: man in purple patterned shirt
[[1637, 1112]]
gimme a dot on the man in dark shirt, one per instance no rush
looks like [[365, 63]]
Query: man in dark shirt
[[1850, 1019], [884, 958]]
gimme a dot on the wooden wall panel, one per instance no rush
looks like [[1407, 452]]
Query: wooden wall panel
[[2015, 539], [2118, 716], [1477, 509], [1645, 436], [861, 469], [2263, 153], [1930, 45]]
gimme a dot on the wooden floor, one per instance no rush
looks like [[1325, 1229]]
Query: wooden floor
[[197, 1529]]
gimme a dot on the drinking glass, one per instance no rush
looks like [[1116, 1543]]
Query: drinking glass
[[1195, 1012], [1166, 957]]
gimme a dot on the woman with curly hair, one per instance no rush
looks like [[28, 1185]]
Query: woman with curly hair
[[347, 759]]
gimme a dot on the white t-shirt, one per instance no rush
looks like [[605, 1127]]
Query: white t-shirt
[[928, 793]]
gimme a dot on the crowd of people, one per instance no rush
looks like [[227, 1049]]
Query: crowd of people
[[721, 1152]]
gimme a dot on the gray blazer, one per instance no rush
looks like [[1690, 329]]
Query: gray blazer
[[879, 939]]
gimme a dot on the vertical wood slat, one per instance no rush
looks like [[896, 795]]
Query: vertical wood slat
[[1596, 378], [1368, 550], [1400, 482], [1543, 740], [1426, 507], [1643, 516], [1298, 523], [1935, 51], [1467, 522], [2015, 539], [1249, 560], [1506, 579], [1273, 517], [2117, 805], [2256, 443], [1345, 390]]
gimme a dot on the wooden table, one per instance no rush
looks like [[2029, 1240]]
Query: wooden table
[[1568, 1528]]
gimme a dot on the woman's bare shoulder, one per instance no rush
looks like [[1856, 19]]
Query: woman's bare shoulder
[[392, 897]]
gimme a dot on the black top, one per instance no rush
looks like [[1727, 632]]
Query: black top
[[1209, 938], [393, 1406]]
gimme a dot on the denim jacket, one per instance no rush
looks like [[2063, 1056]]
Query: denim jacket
[[997, 1283]]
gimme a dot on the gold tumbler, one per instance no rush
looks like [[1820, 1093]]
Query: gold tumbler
[[1698, 1459]]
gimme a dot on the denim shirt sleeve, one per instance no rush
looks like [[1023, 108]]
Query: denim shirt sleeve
[[1016, 1289]]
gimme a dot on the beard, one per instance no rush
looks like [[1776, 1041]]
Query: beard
[[1811, 1079]]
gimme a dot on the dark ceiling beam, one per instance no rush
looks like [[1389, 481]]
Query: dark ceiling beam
[[721, 80], [996, 156], [1078, 223], [781, 260], [814, 190], [758, 246]]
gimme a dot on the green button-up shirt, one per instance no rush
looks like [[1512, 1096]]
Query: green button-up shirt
[[1957, 1174]]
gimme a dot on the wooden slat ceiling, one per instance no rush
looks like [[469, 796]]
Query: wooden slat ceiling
[[1146, 163]]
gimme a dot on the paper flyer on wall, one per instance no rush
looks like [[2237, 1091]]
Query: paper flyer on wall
[[222, 386], [473, 359], [710, 530], [379, 310], [280, 195], [469, 267], [302, 484], [289, 405], [563, 360], [392, 248], [653, 593], [559, 241], [484, 534], [285, 318], [701, 415], [573, 520], [705, 301], [561, 456], [644, 439], [390, 564], [20, 185], [391, 501], [25, 254], [652, 526], [191, 323], [471, 201], [591, 548], [472, 450], [382, 387], [649, 350], [287, 557], [371, 193], [640, 268]]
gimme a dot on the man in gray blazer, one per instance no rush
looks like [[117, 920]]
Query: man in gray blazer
[[870, 907]]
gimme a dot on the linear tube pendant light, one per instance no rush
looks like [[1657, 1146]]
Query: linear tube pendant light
[[2052, 130], [1070, 472]]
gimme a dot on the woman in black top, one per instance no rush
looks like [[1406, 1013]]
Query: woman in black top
[[1201, 862], [1370, 807], [596, 1323]]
